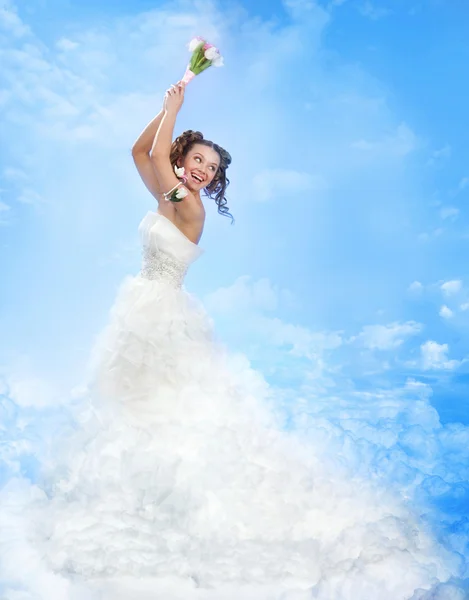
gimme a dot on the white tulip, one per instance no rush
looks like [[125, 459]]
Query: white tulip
[[181, 193], [211, 53], [194, 43], [180, 172]]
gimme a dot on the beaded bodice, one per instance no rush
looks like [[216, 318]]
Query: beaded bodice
[[158, 264], [167, 252]]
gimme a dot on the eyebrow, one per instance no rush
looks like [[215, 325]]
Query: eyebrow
[[214, 164]]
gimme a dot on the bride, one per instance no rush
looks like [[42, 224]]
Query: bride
[[204, 162], [179, 471]]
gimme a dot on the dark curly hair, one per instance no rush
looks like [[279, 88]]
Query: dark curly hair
[[179, 149]]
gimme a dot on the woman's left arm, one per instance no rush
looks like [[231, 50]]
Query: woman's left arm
[[173, 100], [161, 148]]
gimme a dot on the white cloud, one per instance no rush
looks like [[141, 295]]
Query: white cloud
[[464, 306], [14, 174], [373, 11], [65, 45], [245, 294], [386, 337], [463, 184], [439, 156], [424, 390], [30, 196], [27, 389], [449, 288], [10, 21], [399, 143], [281, 183], [415, 287], [435, 356], [428, 236], [4, 210], [445, 312], [268, 339], [249, 300], [449, 212], [300, 8], [303, 341]]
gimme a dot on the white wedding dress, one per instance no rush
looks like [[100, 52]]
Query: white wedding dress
[[179, 481]]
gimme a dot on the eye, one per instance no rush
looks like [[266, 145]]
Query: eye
[[197, 158]]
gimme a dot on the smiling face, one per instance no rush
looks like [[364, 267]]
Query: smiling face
[[200, 164]]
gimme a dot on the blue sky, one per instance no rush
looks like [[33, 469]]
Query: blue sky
[[344, 279]]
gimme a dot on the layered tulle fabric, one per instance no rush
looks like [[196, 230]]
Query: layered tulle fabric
[[178, 468]]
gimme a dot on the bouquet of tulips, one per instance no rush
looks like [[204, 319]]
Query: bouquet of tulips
[[204, 55]]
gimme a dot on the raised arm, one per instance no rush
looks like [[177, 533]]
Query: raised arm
[[161, 148], [141, 155], [151, 151], [145, 140]]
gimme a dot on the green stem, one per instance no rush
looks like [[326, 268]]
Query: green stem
[[200, 61], [197, 55], [203, 65]]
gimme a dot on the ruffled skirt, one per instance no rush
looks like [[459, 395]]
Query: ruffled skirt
[[178, 468]]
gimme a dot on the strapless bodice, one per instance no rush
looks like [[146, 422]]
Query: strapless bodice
[[167, 252]]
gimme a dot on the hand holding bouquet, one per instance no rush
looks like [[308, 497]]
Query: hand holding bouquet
[[174, 97], [204, 55]]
